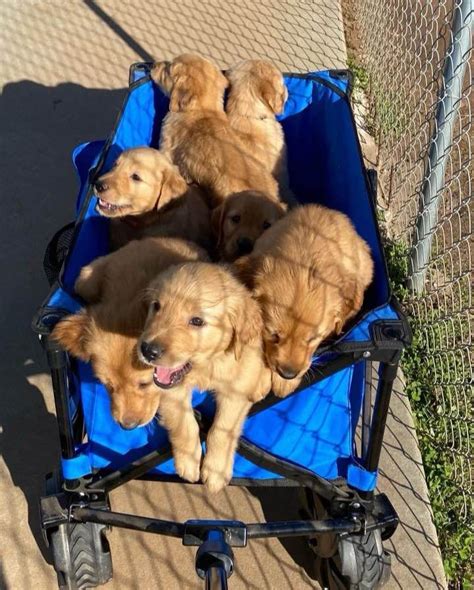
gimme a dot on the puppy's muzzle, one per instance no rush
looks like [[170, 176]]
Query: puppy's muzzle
[[151, 351], [287, 372], [128, 424]]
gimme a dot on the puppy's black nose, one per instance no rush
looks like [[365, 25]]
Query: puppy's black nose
[[287, 372], [151, 351], [100, 187], [128, 424], [244, 245]]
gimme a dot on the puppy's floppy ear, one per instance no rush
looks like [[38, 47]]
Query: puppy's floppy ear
[[244, 269], [352, 298], [180, 98], [246, 320], [274, 95], [73, 334], [89, 284], [217, 222], [182, 92], [173, 186]]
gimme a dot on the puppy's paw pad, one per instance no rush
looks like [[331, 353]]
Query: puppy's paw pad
[[187, 467], [214, 480]]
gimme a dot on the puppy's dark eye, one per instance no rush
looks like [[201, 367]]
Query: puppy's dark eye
[[135, 177], [275, 337], [235, 218], [198, 322], [266, 224], [156, 306], [144, 384]]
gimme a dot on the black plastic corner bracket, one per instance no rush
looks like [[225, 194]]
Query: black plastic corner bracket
[[390, 334]]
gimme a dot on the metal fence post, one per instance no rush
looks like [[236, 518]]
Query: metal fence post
[[448, 105]]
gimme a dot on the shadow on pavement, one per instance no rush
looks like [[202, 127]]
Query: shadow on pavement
[[40, 126], [286, 504]]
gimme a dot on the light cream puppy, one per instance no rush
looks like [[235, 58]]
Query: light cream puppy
[[145, 195]]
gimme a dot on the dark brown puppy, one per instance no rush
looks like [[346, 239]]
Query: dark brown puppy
[[241, 220]]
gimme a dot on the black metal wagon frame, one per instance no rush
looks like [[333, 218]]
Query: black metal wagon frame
[[348, 513]]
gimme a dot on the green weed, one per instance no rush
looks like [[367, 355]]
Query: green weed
[[444, 469]]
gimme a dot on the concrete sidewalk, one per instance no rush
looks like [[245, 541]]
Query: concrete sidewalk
[[63, 74]]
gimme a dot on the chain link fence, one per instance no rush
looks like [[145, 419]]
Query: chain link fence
[[416, 63]]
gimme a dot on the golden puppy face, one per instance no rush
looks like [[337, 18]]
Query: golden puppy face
[[141, 180], [191, 82], [129, 382], [298, 314], [197, 310], [241, 220], [256, 86]]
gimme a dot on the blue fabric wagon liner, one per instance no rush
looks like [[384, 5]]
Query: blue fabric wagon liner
[[313, 429]]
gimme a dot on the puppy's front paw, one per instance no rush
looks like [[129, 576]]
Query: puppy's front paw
[[214, 477], [187, 465]]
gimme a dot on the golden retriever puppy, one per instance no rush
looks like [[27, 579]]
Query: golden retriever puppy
[[240, 220], [145, 195], [309, 273], [258, 93], [196, 134], [106, 332], [204, 330]]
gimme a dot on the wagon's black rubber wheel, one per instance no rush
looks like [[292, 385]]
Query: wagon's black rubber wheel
[[363, 561], [80, 551], [81, 555], [349, 562]]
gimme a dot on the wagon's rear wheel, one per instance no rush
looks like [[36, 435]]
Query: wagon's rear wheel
[[80, 551], [349, 562]]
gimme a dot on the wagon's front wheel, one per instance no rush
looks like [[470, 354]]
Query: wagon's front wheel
[[363, 561], [349, 562], [81, 555], [80, 551]]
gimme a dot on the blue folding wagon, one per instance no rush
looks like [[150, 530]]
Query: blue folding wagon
[[325, 438]]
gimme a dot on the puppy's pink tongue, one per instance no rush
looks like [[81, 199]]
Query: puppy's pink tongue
[[163, 374]]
